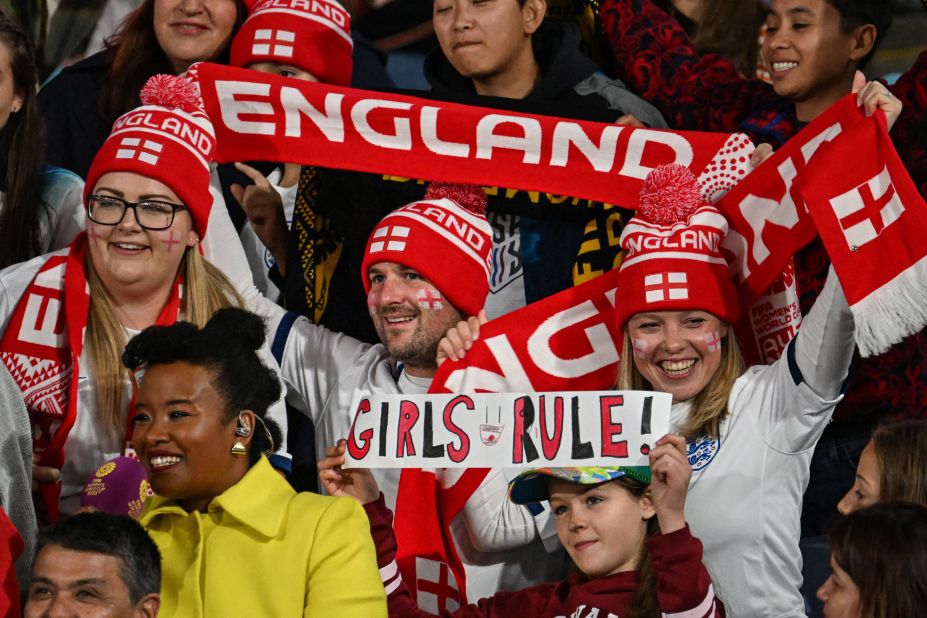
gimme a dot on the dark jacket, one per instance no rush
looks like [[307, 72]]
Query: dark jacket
[[69, 104], [570, 86]]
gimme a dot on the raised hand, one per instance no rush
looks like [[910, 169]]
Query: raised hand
[[670, 472], [264, 208], [460, 338], [358, 483], [874, 95]]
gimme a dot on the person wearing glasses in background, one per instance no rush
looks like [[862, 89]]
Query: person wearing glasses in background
[[65, 317]]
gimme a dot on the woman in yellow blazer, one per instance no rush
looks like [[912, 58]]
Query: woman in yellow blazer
[[235, 539]]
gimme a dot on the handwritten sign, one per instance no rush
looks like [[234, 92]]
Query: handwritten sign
[[507, 429]]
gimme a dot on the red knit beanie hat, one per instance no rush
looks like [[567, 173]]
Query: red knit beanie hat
[[312, 35], [169, 138], [445, 237], [672, 247]]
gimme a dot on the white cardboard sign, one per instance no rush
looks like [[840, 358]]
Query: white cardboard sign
[[506, 430]]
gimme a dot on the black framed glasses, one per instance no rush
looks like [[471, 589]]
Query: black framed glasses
[[150, 214]]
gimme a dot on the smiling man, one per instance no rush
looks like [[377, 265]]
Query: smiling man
[[425, 267], [95, 565]]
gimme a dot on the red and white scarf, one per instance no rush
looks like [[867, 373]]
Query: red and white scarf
[[568, 341], [839, 178], [41, 348], [771, 215], [887, 297]]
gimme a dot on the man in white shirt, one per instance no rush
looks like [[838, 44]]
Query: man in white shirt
[[425, 268]]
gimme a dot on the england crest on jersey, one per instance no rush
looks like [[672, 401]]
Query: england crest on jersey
[[702, 451]]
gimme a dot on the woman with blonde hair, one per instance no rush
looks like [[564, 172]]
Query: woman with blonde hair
[[67, 315]]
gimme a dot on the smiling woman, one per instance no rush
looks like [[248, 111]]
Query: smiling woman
[[139, 263], [750, 432], [202, 432], [160, 36]]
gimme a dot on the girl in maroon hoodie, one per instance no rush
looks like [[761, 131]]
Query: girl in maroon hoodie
[[622, 526]]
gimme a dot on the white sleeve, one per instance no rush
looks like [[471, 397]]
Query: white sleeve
[[824, 344], [63, 197], [493, 522], [793, 399], [314, 361]]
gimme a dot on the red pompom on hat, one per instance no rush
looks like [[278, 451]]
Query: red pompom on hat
[[445, 238], [672, 245], [169, 138], [312, 35]]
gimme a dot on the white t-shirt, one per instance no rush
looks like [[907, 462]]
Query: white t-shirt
[[507, 276], [745, 496]]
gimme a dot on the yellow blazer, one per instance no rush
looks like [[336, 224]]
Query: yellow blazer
[[263, 550]]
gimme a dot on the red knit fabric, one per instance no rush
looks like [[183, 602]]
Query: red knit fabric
[[444, 242], [313, 36], [170, 144], [672, 250]]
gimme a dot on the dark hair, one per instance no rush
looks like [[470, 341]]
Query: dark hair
[[226, 346], [901, 450], [730, 28], [23, 143], [856, 13], [883, 548], [136, 56], [111, 535]]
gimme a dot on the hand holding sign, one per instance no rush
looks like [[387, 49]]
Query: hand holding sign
[[670, 474], [358, 483]]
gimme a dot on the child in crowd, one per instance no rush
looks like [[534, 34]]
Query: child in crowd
[[893, 466], [879, 563], [623, 527]]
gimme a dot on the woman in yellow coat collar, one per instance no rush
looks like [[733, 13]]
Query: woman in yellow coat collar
[[235, 539]]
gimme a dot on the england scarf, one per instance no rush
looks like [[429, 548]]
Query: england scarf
[[568, 341], [842, 179]]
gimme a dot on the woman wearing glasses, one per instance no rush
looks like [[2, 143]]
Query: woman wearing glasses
[[67, 315]]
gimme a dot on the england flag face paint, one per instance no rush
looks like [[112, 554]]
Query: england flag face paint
[[409, 314], [640, 348], [713, 341], [429, 299]]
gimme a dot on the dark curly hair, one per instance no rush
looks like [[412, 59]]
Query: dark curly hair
[[227, 347]]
